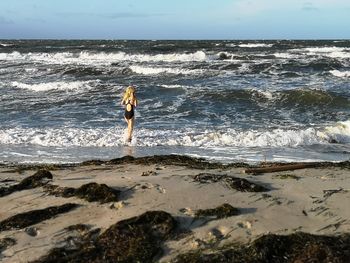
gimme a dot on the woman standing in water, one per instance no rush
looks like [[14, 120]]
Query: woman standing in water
[[130, 102]]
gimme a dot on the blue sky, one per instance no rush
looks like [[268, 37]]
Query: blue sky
[[178, 19]]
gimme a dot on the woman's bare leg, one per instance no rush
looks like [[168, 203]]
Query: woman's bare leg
[[130, 128]]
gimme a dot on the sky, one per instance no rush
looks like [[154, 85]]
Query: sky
[[177, 19]]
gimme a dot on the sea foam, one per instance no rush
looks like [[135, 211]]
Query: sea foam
[[59, 85], [109, 137], [340, 74], [103, 58], [255, 45], [154, 71], [339, 133]]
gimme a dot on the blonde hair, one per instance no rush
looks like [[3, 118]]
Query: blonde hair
[[128, 92]]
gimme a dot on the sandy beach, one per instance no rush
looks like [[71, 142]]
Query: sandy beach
[[207, 210]]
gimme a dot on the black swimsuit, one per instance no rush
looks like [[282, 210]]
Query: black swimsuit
[[129, 114]]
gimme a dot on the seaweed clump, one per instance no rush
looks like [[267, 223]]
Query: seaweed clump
[[238, 184], [297, 247], [5, 243], [173, 159], [23, 220], [222, 211], [40, 178], [137, 239], [91, 192]]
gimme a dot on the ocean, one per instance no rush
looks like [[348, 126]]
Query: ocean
[[227, 101]]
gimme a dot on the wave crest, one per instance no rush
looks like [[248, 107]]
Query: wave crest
[[154, 71], [340, 74], [59, 85], [85, 57], [98, 137]]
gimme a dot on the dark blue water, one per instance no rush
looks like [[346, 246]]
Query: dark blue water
[[223, 100]]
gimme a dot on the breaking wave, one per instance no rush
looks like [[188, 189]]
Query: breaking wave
[[338, 133], [6, 45], [59, 85], [154, 71], [340, 74], [66, 137], [86, 57], [255, 45]]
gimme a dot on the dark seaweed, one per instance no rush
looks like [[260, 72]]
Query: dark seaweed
[[33, 217], [5, 243], [40, 178], [92, 192], [197, 163], [238, 184], [137, 239], [182, 160], [222, 211], [297, 247]]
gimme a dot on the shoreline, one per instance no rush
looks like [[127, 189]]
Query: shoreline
[[181, 209], [183, 160]]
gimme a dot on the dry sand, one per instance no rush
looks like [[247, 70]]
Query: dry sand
[[313, 200]]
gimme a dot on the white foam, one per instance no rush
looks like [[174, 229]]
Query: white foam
[[64, 137], [287, 55], [245, 67], [340, 74], [59, 85], [101, 58], [339, 55], [275, 138], [254, 45], [6, 45], [155, 71], [340, 132], [176, 86], [31, 70], [332, 52], [326, 49], [231, 45], [158, 104], [185, 88], [270, 95], [11, 56], [98, 137]]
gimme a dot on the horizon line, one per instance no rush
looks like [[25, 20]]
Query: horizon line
[[179, 39]]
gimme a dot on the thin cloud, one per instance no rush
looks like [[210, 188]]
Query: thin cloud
[[308, 6], [121, 15]]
